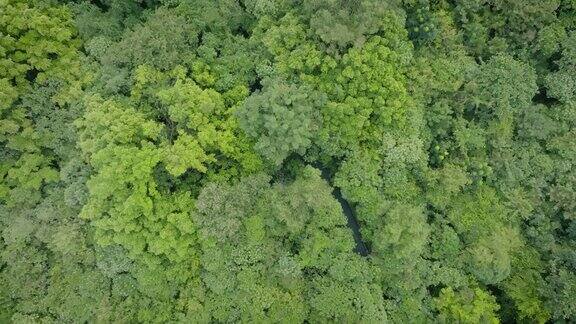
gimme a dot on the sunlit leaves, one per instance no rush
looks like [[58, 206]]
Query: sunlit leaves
[[186, 153], [469, 305]]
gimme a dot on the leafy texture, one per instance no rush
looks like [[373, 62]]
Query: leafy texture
[[314, 161]]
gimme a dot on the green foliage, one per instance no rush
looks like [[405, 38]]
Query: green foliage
[[265, 248], [469, 305], [420, 23], [561, 286], [283, 118], [502, 87], [36, 38], [526, 286], [405, 161], [561, 84], [125, 206], [486, 226], [341, 23], [162, 41], [366, 94], [494, 26], [38, 45]]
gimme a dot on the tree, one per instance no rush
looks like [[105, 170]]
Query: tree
[[469, 305], [267, 246], [283, 119], [39, 45]]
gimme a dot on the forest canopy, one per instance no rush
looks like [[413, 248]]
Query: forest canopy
[[294, 161]]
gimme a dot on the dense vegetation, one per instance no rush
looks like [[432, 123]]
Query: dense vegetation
[[177, 161]]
